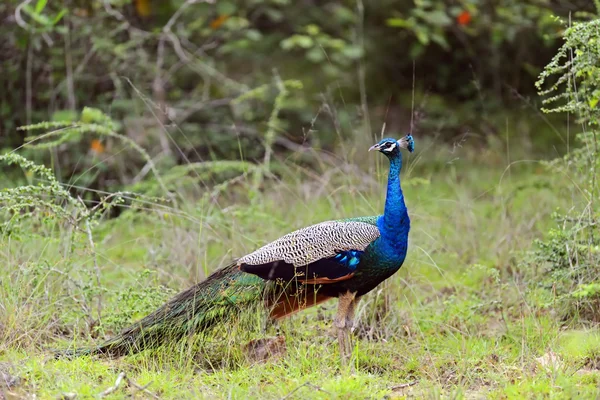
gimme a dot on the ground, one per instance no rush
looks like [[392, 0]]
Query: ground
[[464, 318]]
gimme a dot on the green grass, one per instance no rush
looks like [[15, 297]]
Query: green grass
[[463, 318]]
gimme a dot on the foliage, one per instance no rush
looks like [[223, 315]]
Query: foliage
[[72, 133], [47, 196], [497, 23], [464, 45], [168, 71], [109, 151], [570, 256], [572, 250]]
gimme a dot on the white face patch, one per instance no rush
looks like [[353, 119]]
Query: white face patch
[[389, 147]]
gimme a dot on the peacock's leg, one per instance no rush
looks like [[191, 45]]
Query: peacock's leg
[[343, 321], [351, 312]]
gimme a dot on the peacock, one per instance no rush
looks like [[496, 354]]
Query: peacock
[[341, 258]]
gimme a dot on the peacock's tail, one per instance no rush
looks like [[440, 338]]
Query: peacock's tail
[[217, 299]]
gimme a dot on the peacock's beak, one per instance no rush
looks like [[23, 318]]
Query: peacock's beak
[[374, 147]]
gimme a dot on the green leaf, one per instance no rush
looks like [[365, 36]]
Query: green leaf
[[337, 44], [422, 36], [59, 16], [315, 55], [437, 18], [353, 52], [287, 44], [253, 35], [90, 115], [441, 40], [331, 70], [64, 115], [304, 41], [312, 29], [39, 18], [423, 3], [593, 102], [399, 23], [40, 5], [226, 8], [274, 15], [344, 14]]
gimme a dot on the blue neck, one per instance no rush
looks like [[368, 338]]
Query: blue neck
[[395, 223]]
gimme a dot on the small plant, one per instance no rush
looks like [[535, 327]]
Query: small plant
[[133, 303], [45, 213], [38, 210]]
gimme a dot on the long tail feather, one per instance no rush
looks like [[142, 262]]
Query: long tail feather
[[220, 297]]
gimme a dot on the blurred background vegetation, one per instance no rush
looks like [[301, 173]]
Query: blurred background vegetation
[[181, 78]]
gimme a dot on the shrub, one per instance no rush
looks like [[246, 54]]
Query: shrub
[[571, 252]]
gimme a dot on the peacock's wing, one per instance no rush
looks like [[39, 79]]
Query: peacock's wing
[[322, 253]]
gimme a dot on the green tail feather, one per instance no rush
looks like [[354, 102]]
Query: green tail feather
[[218, 298]]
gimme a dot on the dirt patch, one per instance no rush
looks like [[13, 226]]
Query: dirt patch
[[261, 350]]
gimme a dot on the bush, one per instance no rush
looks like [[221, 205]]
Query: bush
[[168, 70], [571, 253]]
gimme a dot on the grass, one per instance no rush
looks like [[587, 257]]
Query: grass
[[463, 318]]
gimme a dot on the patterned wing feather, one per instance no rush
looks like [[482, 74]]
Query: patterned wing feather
[[315, 242], [322, 253]]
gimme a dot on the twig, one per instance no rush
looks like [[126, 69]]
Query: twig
[[28, 82], [199, 51], [126, 25], [18, 16], [159, 95], [360, 10], [273, 123], [84, 306], [114, 387], [145, 170], [184, 114], [412, 105], [202, 68], [123, 376], [287, 396], [404, 385], [142, 388], [69, 68], [177, 14], [76, 72], [158, 84], [88, 230]]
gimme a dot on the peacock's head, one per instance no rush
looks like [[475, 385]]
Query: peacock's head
[[391, 147]]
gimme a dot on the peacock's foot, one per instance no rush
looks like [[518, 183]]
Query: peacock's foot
[[345, 345], [343, 330]]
